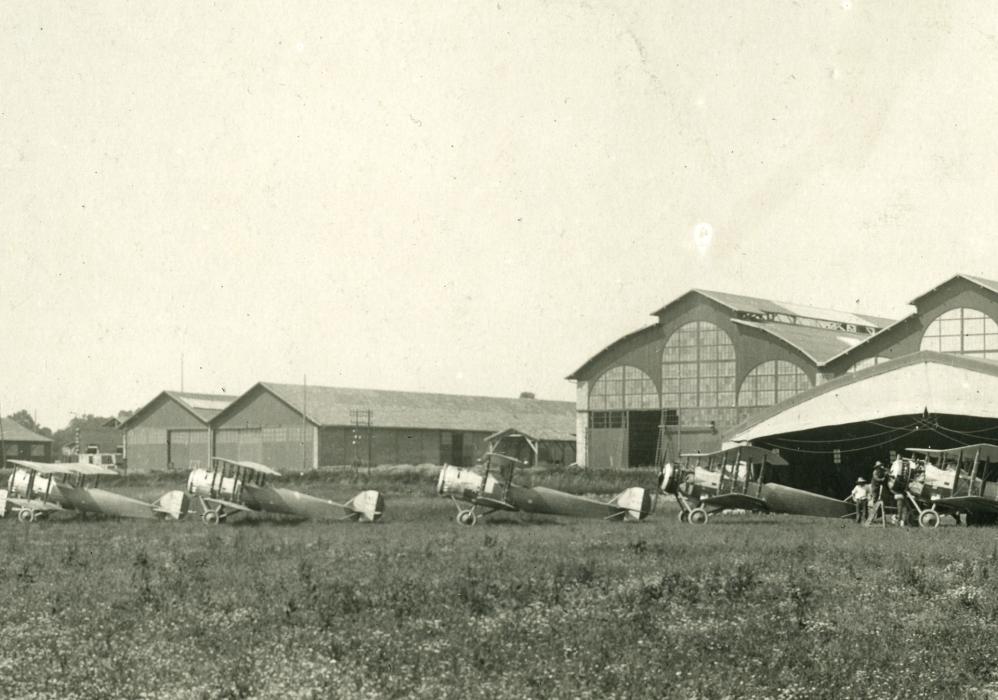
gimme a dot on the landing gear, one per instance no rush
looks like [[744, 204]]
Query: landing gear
[[928, 518], [211, 517], [467, 517], [698, 516], [26, 516]]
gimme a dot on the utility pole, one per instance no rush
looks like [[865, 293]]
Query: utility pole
[[304, 422]]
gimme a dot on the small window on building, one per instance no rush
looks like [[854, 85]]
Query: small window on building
[[38, 450], [13, 449], [837, 456], [671, 416]]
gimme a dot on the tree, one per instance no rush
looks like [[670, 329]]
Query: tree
[[26, 420]]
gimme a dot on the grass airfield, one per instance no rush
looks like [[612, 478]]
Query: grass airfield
[[514, 607]]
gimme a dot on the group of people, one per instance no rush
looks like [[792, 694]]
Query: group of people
[[868, 496]]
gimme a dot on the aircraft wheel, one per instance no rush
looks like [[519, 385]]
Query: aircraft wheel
[[928, 518], [684, 516], [467, 517], [698, 516], [210, 517], [26, 516]]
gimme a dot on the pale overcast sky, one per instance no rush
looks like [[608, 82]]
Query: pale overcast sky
[[467, 197]]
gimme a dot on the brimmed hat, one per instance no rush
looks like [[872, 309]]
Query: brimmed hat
[[878, 463], [860, 480]]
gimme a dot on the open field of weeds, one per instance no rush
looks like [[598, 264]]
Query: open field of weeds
[[515, 607]]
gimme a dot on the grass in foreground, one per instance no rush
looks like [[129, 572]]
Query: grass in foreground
[[417, 606]]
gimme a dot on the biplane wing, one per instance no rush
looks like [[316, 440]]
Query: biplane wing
[[494, 503], [969, 504], [252, 466], [230, 505], [729, 501], [63, 468]]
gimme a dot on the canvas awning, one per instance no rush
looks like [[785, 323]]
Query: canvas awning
[[937, 382]]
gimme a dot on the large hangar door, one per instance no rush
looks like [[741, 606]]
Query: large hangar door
[[184, 447], [642, 437], [608, 439], [240, 444]]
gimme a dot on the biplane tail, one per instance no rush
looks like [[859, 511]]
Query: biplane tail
[[634, 504], [173, 504], [366, 506]]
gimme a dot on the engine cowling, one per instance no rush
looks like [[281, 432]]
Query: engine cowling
[[460, 483]]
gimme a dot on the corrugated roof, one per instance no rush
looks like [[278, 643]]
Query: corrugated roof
[[738, 302], [15, 432], [820, 344], [204, 406], [990, 285], [418, 410]]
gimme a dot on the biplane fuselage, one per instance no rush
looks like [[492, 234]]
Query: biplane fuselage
[[33, 488], [230, 486], [737, 479], [957, 480], [486, 491]]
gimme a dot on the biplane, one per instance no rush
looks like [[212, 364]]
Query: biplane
[[492, 494], [36, 489], [737, 479], [956, 481], [229, 487]]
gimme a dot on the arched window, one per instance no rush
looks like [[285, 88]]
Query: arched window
[[772, 382], [963, 331], [623, 388], [698, 374], [868, 362]]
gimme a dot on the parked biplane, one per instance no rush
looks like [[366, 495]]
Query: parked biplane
[[38, 488], [956, 481], [230, 487], [486, 491], [736, 479]]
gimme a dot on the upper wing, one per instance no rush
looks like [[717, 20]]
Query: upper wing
[[252, 466], [43, 467]]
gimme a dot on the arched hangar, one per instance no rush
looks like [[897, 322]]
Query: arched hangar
[[715, 363]]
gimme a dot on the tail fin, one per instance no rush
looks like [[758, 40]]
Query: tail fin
[[172, 504], [366, 506], [635, 503]]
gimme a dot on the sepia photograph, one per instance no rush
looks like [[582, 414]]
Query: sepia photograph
[[505, 349]]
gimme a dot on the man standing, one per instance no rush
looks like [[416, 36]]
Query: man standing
[[860, 496], [898, 483]]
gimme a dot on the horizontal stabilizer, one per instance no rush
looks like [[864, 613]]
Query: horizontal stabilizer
[[634, 503], [172, 504], [366, 506]]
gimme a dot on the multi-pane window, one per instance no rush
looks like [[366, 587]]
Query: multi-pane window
[[772, 382], [698, 374], [608, 419], [963, 331], [623, 387], [868, 362]]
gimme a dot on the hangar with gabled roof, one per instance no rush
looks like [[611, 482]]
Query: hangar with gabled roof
[[172, 430], [291, 426]]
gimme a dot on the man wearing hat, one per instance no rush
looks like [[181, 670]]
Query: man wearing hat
[[877, 481], [861, 497]]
